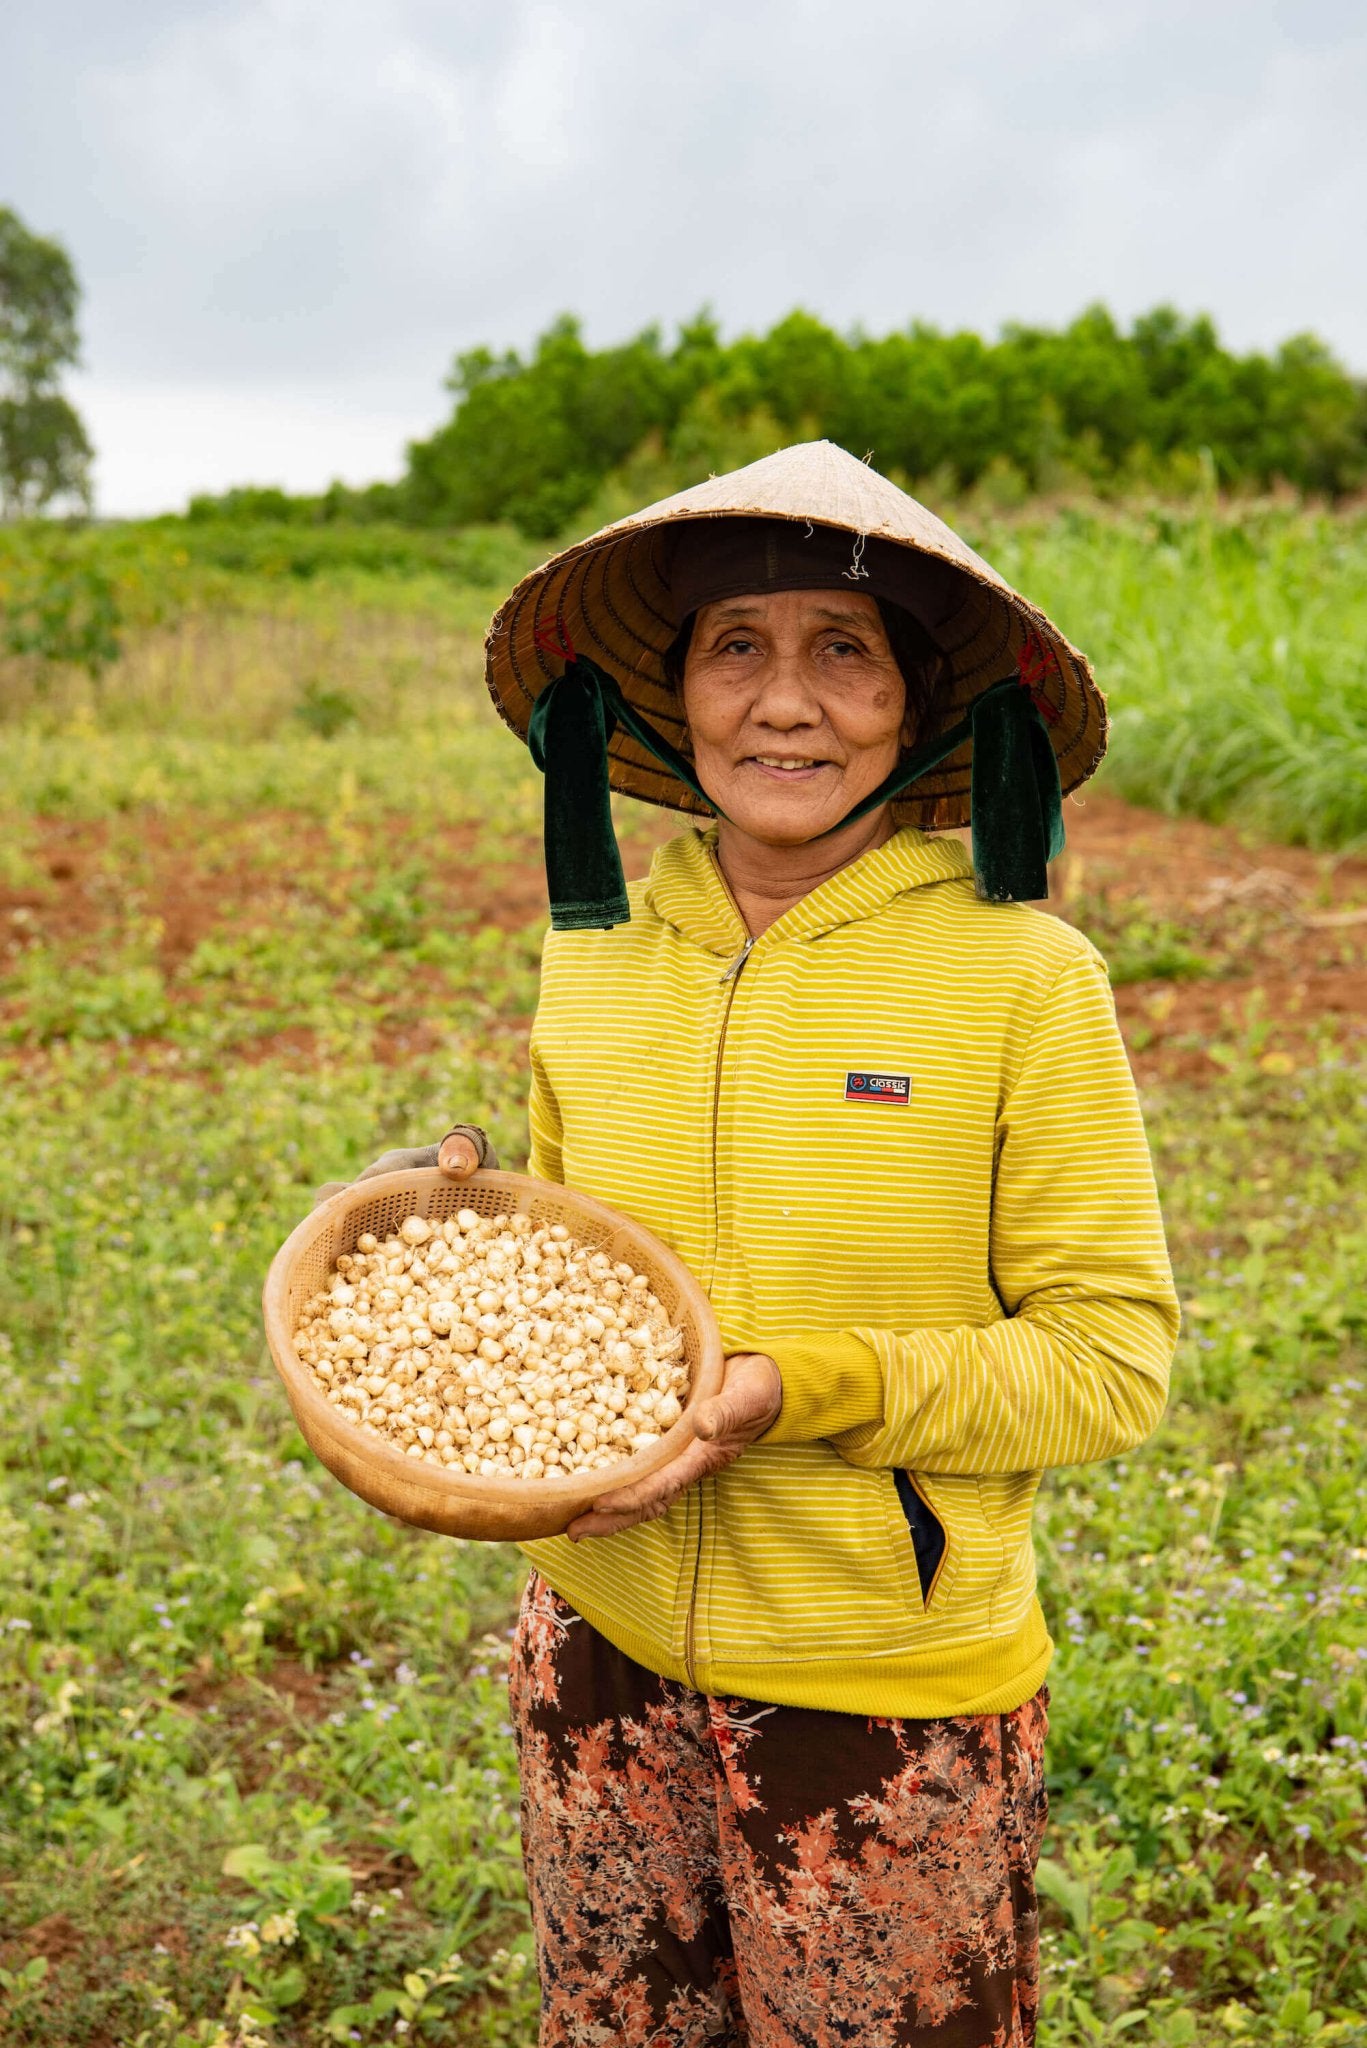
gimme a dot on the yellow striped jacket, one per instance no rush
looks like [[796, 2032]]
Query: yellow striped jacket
[[897, 1140]]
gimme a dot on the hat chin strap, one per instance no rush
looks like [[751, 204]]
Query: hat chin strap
[[1016, 798]]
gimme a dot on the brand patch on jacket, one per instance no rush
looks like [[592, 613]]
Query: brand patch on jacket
[[878, 1088]]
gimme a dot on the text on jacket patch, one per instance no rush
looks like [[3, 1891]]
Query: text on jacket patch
[[889, 1088]]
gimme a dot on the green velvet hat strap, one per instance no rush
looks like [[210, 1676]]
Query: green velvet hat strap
[[1017, 799], [911, 768], [571, 723], [644, 733], [567, 736], [1017, 807]]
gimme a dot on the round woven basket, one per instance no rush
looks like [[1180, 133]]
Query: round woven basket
[[436, 1497]]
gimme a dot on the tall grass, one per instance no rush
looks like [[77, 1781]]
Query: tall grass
[[264, 674], [1231, 642], [1233, 651]]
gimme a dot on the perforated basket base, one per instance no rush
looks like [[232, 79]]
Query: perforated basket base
[[434, 1496]]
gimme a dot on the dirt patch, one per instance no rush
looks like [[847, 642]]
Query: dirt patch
[[56, 1937], [255, 1721], [296, 1046], [1282, 932], [1175, 1029], [189, 875], [173, 1939], [1257, 946], [286, 1691], [1173, 861], [370, 1863], [196, 876], [306, 1691]]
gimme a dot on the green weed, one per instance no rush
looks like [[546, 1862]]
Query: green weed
[[1137, 945], [325, 711]]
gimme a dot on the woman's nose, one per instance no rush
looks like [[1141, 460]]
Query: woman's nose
[[786, 695]]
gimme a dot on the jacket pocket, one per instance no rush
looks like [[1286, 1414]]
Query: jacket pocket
[[926, 1529], [804, 1556]]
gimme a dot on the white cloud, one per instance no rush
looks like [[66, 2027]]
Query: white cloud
[[160, 444], [534, 127], [279, 104]]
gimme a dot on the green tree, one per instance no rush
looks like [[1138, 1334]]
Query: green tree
[[569, 437], [45, 453], [529, 442]]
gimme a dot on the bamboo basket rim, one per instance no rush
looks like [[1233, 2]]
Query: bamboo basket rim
[[446, 1499]]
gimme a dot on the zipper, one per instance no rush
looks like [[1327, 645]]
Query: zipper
[[690, 1619], [734, 969], [728, 982]]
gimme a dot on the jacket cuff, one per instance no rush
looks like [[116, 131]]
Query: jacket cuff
[[831, 1383]]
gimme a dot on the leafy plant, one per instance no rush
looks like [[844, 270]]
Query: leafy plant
[[324, 711], [24, 1988], [62, 607], [1137, 945]]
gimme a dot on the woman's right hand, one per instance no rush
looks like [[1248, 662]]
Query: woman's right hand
[[463, 1151]]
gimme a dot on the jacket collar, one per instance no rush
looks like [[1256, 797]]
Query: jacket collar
[[685, 888]]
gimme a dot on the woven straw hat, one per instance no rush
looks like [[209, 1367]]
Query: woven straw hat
[[610, 596]]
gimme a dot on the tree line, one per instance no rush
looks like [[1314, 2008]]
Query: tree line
[[547, 440], [565, 435]]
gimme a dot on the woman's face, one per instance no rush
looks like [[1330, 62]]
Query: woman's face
[[796, 709]]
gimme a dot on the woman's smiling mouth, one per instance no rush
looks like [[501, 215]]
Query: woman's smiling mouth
[[786, 765]]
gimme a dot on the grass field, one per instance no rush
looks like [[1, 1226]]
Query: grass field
[[257, 1780], [1232, 640]]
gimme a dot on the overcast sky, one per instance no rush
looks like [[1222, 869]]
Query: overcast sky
[[288, 215]]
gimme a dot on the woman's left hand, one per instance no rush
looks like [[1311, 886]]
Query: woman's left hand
[[748, 1404]]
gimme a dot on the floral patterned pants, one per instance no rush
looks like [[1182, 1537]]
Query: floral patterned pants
[[716, 1871]]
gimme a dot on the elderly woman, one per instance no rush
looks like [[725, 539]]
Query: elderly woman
[[781, 1707]]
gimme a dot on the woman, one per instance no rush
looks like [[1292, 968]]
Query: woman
[[780, 1708]]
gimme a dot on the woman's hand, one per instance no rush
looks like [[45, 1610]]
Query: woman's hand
[[748, 1404], [461, 1152]]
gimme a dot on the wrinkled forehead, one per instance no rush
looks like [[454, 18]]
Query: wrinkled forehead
[[709, 560], [819, 605]]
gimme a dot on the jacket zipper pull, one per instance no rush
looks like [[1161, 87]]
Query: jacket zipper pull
[[734, 969]]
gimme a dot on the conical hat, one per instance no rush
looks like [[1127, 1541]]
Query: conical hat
[[609, 596]]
